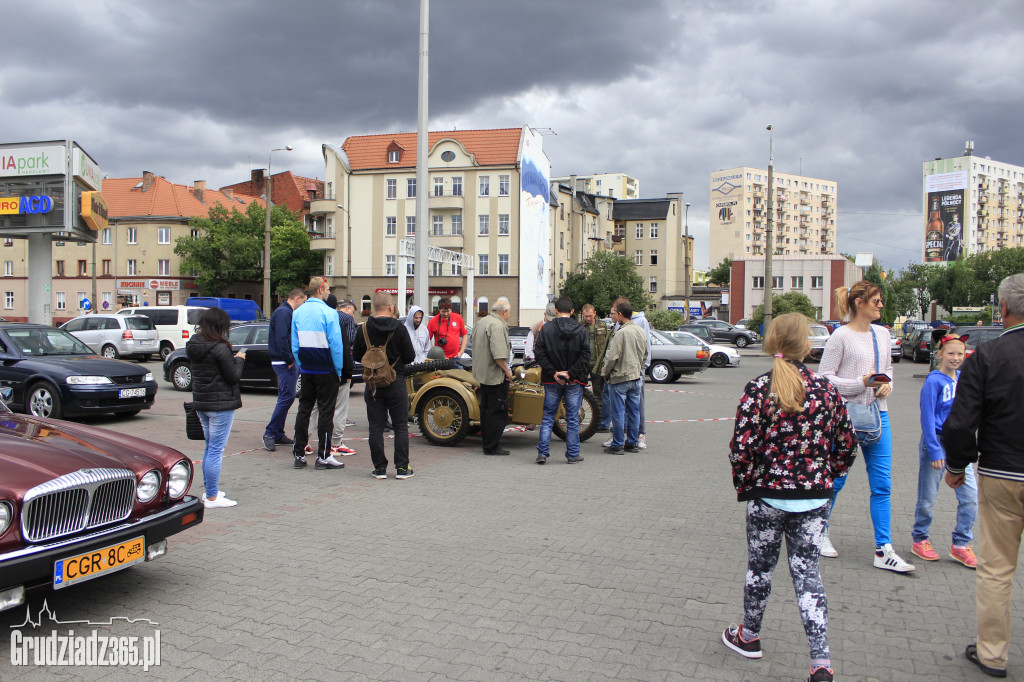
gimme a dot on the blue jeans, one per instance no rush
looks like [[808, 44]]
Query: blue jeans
[[286, 379], [928, 479], [553, 394], [216, 428], [607, 406], [878, 462], [626, 412]]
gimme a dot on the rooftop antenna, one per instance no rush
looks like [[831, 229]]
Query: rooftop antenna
[[969, 148]]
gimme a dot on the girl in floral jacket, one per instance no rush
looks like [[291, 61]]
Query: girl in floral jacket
[[792, 438]]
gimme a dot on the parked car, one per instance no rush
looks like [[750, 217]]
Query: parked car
[[701, 331], [819, 337], [895, 348], [517, 336], [174, 323], [742, 324], [910, 328], [238, 309], [79, 502], [917, 345], [832, 325], [721, 356], [938, 324], [723, 332], [908, 325], [977, 335], [116, 336], [672, 357], [53, 374]]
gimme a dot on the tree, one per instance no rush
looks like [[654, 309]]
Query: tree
[[601, 279], [990, 268], [720, 273], [916, 277], [951, 285], [229, 247], [665, 319], [789, 302]]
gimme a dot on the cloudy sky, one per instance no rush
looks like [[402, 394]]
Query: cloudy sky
[[665, 90]]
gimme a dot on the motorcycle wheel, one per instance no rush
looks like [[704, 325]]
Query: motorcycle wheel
[[443, 417], [590, 409]]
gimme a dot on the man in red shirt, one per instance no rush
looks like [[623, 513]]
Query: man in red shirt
[[448, 330]]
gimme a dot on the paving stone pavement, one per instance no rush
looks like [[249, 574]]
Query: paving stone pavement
[[495, 568]]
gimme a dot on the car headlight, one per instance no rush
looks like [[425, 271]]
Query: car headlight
[[179, 478], [149, 486], [148, 377], [6, 514], [75, 380]]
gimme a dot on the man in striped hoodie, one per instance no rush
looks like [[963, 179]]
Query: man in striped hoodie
[[319, 350]]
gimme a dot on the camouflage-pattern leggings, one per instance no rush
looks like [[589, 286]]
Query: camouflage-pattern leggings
[[766, 526]]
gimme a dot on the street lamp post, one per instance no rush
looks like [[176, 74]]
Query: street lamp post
[[266, 235], [348, 251], [769, 235], [686, 262]]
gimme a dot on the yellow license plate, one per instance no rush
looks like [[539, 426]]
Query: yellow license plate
[[93, 564]]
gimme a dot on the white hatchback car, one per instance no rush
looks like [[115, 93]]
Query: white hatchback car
[[116, 336], [721, 356]]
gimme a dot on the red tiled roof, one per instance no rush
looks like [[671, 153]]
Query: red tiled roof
[[126, 199], [498, 147]]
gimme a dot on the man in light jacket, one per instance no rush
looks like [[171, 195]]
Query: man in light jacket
[[623, 369]]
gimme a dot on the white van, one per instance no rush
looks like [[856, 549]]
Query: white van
[[175, 323]]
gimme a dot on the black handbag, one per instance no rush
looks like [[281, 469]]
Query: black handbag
[[193, 427]]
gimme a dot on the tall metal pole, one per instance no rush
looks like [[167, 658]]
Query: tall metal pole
[[267, 308], [686, 262], [769, 234], [420, 277]]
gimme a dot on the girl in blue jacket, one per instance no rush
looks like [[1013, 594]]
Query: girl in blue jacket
[[936, 401]]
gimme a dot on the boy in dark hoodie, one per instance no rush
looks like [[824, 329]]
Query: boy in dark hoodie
[[393, 399], [563, 353]]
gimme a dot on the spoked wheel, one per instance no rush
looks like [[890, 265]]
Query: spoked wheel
[[589, 411], [44, 401], [181, 376], [443, 417]]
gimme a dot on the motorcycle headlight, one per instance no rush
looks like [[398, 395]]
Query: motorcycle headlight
[[149, 486], [87, 380], [148, 377], [179, 478], [6, 514]]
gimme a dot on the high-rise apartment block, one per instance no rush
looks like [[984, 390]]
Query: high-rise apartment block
[[971, 205], [804, 214]]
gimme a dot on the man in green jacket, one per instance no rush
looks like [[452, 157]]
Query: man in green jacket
[[599, 335], [491, 352]]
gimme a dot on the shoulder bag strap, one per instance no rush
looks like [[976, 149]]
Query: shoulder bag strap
[[874, 345], [366, 337]]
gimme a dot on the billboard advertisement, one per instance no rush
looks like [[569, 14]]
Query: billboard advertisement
[[724, 197], [534, 228], [943, 230]]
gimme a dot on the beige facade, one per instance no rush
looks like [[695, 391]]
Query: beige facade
[[615, 185], [650, 231], [816, 276], [804, 221]]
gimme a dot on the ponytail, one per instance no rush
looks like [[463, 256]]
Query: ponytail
[[786, 339], [846, 298]]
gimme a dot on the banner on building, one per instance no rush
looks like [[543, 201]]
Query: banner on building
[[944, 225]]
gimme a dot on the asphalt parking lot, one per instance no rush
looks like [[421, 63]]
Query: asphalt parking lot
[[494, 568]]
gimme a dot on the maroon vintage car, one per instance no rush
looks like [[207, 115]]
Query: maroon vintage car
[[79, 502]]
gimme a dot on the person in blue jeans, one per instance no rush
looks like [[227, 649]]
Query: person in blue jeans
[[215, 395], [624, 372], [562, 350], [279, 346], [937, 396]]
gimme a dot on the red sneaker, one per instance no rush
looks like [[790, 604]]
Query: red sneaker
[[342, 450], [964, 555], [925, 550]]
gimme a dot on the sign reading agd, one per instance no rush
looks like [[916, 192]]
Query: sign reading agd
[[37, 160]]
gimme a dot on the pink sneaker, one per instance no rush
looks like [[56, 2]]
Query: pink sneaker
[[925, 550], [964, 555]]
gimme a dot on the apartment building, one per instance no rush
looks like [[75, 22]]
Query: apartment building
[[971, 205], [816, 276], [650, 231], [615, 185], [804, 207]]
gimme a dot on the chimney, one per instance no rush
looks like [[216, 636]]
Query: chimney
[[147, 180], [228, 192], [258, 179], [199, 189]]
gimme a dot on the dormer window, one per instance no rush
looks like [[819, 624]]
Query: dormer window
[[393, 156]]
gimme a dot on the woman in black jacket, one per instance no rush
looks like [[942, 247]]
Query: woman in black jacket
[[215, 394]]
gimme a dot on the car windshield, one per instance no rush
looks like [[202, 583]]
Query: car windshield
[[818, 330], [39, 341]]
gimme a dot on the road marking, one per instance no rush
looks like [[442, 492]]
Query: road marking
[[677, 390]]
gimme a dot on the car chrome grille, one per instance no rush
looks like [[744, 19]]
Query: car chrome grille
[[87, 498]]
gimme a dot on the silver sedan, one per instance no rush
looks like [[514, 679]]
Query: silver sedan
[[721, 356]]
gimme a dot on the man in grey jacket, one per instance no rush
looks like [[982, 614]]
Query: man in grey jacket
[[623, 371]]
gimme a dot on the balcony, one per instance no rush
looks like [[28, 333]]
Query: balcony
[[983, 199], [323, 206], [983, 187], [826, 201], [447, 202], [319, 242], [982, 213]]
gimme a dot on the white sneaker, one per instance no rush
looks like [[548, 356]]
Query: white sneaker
[[642, 443], [329, 463], [889, 560], [608, 443], [827, 550], [218, 502]]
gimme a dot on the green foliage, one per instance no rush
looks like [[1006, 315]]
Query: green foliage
[[720, 273], [789, 302], [229, 247], [601, 279], [665, 319]]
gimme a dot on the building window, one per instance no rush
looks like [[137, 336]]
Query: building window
[[62, 303], [457, 269], [639, 230], [503, 186], [758, 282], [817, 282], [365, 304], [654, 230], [561, 240], [392, 188], [9, 300], [485, 225], [410, 268], [653, 288], [638, 257], [777, 282], [410, 224], [484, 266], [457, 224], [561, 271], [798, 282], [438, 187], [502, 263], [60, 268], [108, 299], [437, 225], [485, 186], [106, 235], [163, 235], [194, 232], [131, 268], [82, 269], [410, 188], [81, 297], [390, 269], [503, 224], [654, 256], [106, 266], [329, 265], [8, 268], [456, 187], [393, 156], [437, 269], [391, 228], [163, 267], [133, 235]]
